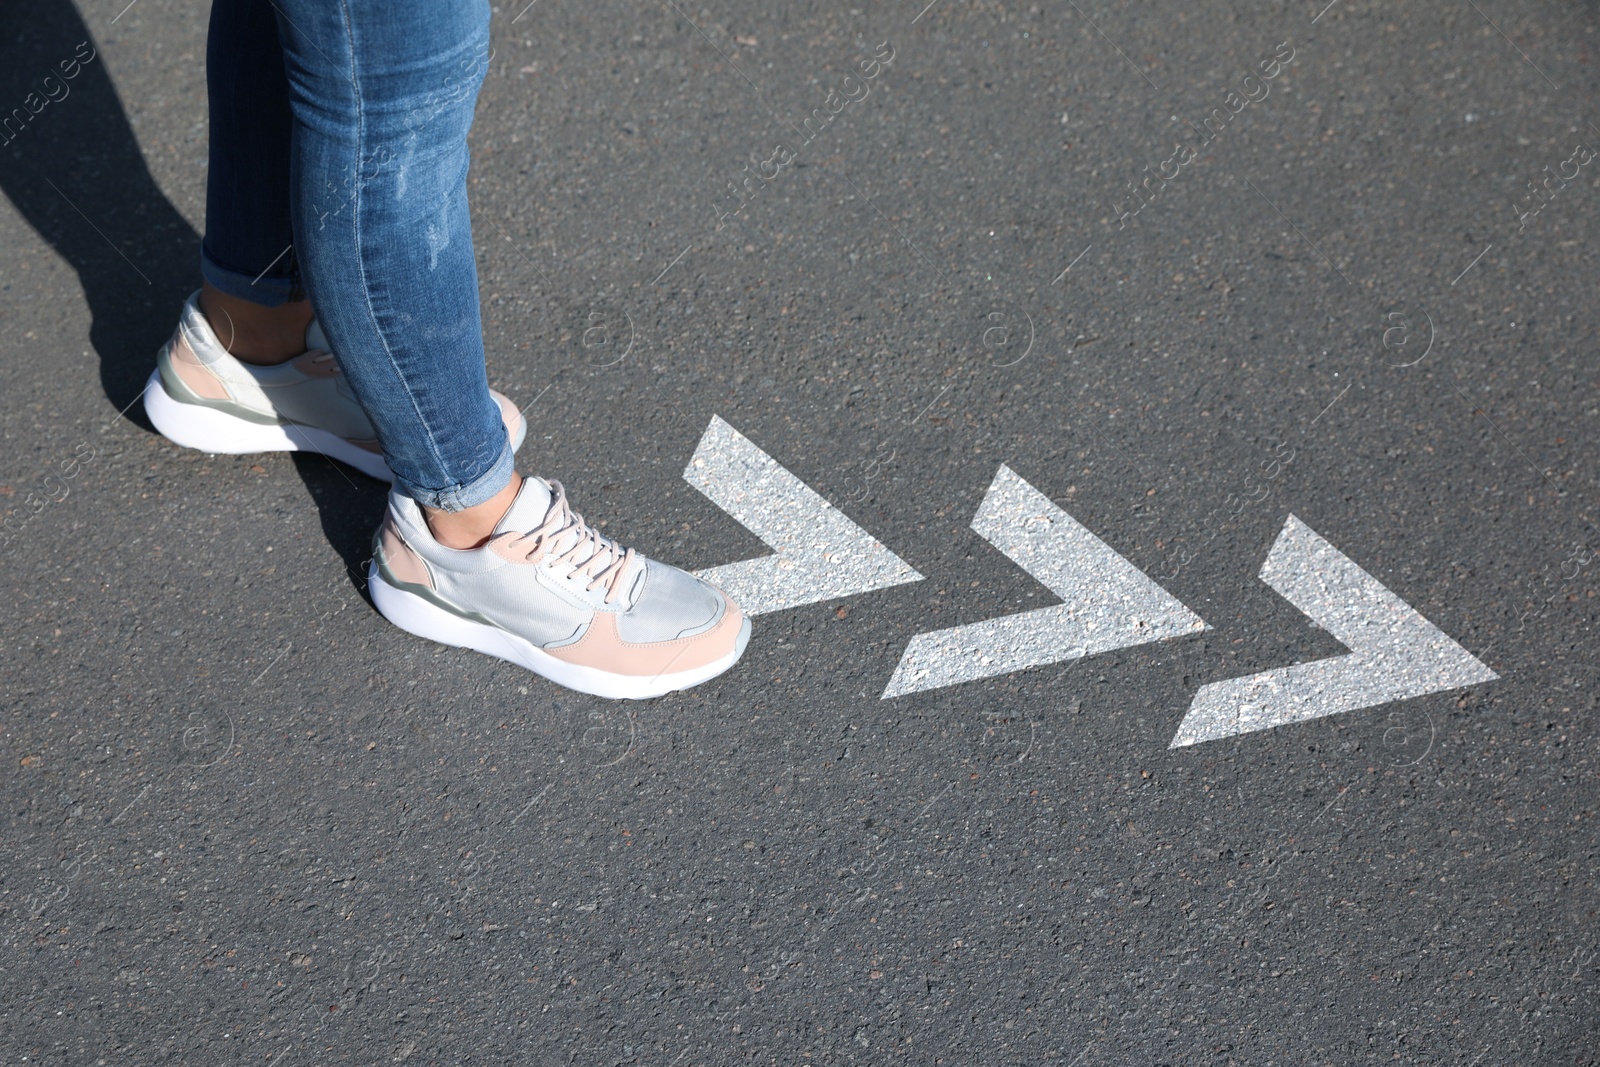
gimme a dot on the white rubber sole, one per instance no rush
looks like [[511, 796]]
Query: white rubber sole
[[217, 432], [415, 615]]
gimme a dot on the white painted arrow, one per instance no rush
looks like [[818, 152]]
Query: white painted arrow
[[1395, 653], [821, 554], [1107, 602]]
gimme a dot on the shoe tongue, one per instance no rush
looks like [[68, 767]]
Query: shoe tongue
[[315, 338], [528, 510]]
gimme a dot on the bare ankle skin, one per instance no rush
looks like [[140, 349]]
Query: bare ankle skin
[[471, 527], [253, 333]]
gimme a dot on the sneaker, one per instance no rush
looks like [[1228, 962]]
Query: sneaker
[[548, 592], [201, 397]]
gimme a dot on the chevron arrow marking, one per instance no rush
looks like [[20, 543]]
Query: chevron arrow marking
[[820, 553], [1107, 602], [1395, 653]]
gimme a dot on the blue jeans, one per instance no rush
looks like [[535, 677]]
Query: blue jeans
[[339, 173]]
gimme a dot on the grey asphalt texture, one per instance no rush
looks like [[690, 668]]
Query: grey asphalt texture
[[246, 821]]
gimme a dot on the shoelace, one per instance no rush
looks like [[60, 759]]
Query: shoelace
[[561, 520], [327, 357]]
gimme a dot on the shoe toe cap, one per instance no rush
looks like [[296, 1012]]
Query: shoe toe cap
[[671, 604]]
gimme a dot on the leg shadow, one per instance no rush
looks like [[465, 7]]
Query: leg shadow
[[350, 505], [72, 168]]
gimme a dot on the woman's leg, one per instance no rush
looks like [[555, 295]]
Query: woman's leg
[[382, 94], [246, 371], [247, 260]]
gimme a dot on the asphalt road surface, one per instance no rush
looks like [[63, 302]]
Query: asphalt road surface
[[1255, 339]]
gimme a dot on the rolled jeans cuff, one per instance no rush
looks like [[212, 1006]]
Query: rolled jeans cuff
[[471, 494], [264, 288]]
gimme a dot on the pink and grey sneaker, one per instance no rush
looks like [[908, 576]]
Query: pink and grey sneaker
[[548, 592], [201, 397]]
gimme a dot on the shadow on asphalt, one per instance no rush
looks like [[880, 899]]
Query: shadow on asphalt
[[74, 172], [350, 506]]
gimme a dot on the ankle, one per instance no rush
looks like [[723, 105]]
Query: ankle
[[254, 333], [471, 527]]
